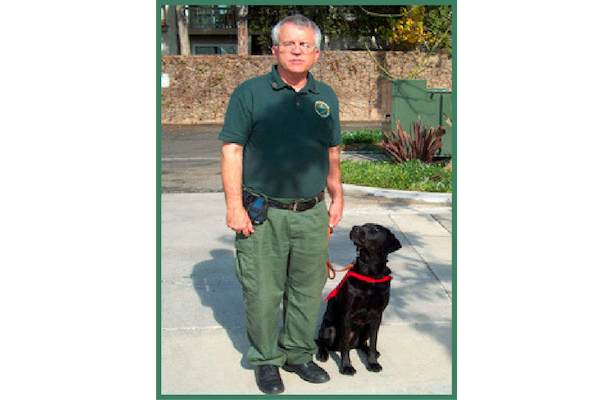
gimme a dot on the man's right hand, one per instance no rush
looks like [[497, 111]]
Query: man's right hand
[[231, 170], [238, 220]]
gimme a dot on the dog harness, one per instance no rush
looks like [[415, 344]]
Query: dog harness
[[335, 291]]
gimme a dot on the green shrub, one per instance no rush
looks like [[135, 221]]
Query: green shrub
[[362, 136]]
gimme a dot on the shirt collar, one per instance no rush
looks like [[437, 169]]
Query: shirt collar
[[277, 83]]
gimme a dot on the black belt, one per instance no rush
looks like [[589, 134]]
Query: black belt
[[298, 206]]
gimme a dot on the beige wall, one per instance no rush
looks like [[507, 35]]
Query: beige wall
[[200, 86]]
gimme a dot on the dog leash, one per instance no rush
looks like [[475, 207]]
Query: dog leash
[[330, 270]]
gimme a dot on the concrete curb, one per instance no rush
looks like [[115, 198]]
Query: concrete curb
[[402, 195]]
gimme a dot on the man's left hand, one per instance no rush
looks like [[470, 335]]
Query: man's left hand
[[335, 213]]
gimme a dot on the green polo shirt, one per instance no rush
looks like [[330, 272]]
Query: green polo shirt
[[286, 135]]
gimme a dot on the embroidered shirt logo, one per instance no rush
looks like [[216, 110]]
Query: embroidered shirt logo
[[322, 108]]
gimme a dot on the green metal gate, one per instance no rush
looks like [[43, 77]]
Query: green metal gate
[[412, 98]]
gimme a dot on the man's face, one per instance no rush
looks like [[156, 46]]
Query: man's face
[[290, 55]]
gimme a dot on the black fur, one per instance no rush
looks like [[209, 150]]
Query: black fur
[[353, 316]]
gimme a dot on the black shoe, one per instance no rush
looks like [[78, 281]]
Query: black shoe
[[268, 379], [309, 371]]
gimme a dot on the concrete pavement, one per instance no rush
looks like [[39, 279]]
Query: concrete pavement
[[203, 339]]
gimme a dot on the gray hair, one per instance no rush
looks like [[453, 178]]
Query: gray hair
[[299, 20]]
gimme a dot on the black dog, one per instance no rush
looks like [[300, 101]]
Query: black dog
[[355, 307]]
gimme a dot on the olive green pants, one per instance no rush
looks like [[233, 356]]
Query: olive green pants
[[283, 263]]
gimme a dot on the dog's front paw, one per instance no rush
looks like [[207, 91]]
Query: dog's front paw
[[349, 370], [322, 355], [374, 367]]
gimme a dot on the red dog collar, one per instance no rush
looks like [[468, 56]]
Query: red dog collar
[[335, 291]]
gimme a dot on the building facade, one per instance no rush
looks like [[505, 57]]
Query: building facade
[[211, 30]]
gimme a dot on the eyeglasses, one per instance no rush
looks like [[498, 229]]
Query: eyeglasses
[[289, 46]]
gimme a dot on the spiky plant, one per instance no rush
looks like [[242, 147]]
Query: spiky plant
[[421, 146]]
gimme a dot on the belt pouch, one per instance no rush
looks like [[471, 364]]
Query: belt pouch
[[256, 206]]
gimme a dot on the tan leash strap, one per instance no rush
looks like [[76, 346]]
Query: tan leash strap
[[330, 270]]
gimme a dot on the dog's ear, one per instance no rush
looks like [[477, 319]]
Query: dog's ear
[[391, 244]]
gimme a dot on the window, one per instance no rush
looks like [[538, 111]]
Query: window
[[210, 49]]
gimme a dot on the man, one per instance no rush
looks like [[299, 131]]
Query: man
[[281, 141]]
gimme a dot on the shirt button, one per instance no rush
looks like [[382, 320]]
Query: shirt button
[[275, 85]]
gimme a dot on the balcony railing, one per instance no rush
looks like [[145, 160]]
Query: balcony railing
[[211, 17]]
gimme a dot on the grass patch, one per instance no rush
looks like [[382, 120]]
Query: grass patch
[[411, 175]]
